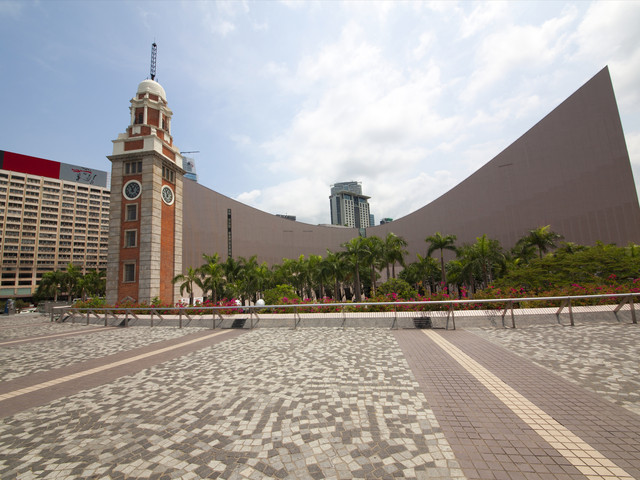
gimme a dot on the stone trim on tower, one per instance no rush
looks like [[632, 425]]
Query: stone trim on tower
[[145, 152]]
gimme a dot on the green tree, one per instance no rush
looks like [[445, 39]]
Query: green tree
[[212, 275], [188, 279], [355, 252], [231, 268], [51, 284], [93, 284], [338, 269], [596, 265], [374, 257], [483, 258], [441, 242], [394, 252], [543, 238], [71, 279]]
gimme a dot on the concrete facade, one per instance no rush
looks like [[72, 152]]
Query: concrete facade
[[51, 214], [571, 171]]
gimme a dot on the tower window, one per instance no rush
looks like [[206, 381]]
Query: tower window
[[131, 168], [168, 174], [130, 238], [129, 273], [132, 212]]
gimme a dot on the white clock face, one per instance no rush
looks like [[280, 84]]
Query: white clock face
[[167, 195], [132, 190]]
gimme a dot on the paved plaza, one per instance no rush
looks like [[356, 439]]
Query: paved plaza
[[541, 402]]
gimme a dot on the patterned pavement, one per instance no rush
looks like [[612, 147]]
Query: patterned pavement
[[320, 403]]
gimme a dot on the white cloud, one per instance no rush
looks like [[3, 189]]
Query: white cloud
[[633, 146], [425, 43], [250, 198], [519, 48], [482, 16], [609, 34]]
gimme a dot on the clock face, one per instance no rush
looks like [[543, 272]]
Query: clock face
[[167, 195], [132, 190]]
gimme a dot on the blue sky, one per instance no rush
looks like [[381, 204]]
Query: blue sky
[[283, 99]]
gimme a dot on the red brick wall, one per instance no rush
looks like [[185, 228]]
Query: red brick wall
[[128, 254], [133, 145], [153, 117], [167, 249], [168, 153]]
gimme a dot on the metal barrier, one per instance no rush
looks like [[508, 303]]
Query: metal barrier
[[61, 314]]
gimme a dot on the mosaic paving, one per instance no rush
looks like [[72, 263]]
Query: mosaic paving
[[600, 357], [313, 403], [28, 358], [19, 326]]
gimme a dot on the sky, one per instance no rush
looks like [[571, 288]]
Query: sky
[[283, 99]]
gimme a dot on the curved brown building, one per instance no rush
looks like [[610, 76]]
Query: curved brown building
[[571, 171]]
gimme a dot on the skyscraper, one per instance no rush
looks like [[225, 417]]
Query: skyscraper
[[349, 207]]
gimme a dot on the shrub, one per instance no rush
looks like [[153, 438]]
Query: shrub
[[398, 286], [275, 296]]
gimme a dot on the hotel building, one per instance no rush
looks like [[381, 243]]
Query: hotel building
[[51, 214]]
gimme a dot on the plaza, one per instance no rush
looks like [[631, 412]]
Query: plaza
[[538, 402]]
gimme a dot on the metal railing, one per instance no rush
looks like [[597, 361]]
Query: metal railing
[[506, 305]]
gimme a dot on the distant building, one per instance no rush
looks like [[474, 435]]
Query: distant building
[[386, 220], [286, 217], [372, 220], [349, 207], [51, 214]]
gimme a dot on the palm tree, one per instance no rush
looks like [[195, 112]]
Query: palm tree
[[542, 237], [212, 275], [569, 248], [231, 269], [188, 279], [51, 284], [338, 271], [355, 253], [93, 283], [484, 257], [252, 277], [317, 274], [439, 242], [374, 257], [422, 272], [523, 253], [70, 279], [394, 252]]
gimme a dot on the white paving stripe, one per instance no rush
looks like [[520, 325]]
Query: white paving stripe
[[589, 461], [91, 371]]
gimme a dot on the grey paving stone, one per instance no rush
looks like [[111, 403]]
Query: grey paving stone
[[602, 357], [312, 403]]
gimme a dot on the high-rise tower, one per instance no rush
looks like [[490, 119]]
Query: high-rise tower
[[349, 207], [145, 231]]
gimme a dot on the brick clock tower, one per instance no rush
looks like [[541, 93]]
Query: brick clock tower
[[145, 231]]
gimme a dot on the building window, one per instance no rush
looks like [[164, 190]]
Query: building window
[[129, 275], [132, 212], [131, 168], [130, 238], [168, 174]]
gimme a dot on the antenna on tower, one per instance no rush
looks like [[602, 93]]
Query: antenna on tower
[[154, 54]]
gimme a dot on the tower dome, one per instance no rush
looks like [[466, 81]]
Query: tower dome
[[152, 87]]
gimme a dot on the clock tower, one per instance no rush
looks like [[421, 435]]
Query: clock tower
[[145, 230]]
